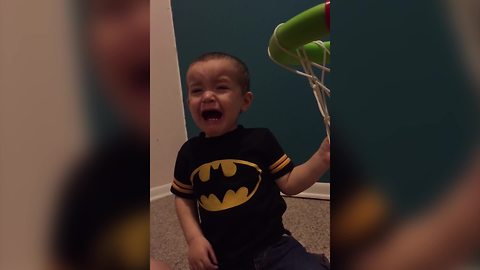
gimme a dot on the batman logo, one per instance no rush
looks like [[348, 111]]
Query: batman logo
[[226, 183]]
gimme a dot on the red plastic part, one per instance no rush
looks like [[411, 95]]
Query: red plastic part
[[327, 14]]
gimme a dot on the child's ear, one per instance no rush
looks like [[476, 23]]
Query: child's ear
[[247, 100]]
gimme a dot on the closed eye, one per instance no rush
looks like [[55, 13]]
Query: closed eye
[[196, 91]]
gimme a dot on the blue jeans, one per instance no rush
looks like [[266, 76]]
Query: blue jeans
[[289, 254]]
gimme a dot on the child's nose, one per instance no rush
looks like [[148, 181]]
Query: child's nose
[[208, 96]]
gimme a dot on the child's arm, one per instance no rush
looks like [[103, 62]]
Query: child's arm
[[305, 175], [200, 252]]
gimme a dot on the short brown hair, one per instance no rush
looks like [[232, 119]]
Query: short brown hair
[[243, 74]]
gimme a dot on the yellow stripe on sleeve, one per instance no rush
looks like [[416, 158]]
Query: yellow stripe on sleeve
[[182, 185], [183, 190], [281, 166], [279, 161]]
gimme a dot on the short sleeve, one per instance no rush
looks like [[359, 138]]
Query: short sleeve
[[181, 185], [277, 161]]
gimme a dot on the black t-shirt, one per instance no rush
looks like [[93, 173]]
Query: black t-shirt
[[232, 179]]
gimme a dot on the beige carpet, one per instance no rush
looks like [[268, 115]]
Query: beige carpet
[[308, 220]]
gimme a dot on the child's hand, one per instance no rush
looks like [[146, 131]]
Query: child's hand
[[201, 255], [324, 152]]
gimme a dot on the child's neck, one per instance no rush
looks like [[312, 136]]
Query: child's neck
[[219, 135]]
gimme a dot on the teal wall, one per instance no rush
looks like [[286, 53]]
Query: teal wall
[[402, 100], [283, 101]]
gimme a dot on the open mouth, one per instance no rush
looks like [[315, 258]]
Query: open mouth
[[212, 115]]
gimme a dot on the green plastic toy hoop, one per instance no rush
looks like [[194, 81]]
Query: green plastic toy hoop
[[311, 25]]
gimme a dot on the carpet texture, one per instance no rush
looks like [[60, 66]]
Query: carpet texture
[[308, 220]]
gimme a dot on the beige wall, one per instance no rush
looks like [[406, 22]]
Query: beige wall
[[41, 124], [167, 121]]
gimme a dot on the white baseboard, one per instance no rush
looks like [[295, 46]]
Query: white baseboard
[[160, 192], [317, 191]]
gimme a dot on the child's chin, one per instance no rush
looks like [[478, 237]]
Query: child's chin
[[217, 128], [214, 132]]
